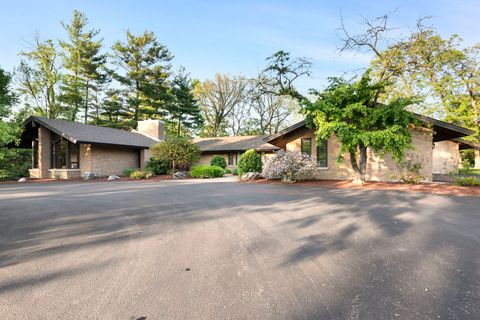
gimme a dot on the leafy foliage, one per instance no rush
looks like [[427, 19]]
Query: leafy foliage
[[289, 166], [159, 167], [177, 151], [466, 181], [349, 110], [410, 171], [14, 163], [207, 172], [137, 175], [250, 161], [128, 171], [218, 161]]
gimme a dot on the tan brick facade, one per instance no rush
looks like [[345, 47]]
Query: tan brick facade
[[446, 157], [44, 152], [378, 169], [105, 161]]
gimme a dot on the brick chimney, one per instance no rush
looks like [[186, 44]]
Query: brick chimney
[[152, 128]]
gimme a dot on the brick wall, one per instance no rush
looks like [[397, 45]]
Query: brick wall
[[446, 157], [105, 161], [378, 169]]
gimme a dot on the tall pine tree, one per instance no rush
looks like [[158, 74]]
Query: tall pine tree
[[146, 67]]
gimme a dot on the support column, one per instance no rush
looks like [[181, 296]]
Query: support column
[[44, 152]]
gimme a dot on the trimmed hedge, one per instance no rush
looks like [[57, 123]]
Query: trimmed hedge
[[207, 172], [218, 161], [157, 166], [250, 161], [137, 175], [128, 171]]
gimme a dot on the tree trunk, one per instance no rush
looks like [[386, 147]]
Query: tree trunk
[[360, 166]]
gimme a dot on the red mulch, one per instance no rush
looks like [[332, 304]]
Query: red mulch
[[156, 178], [436, 188]]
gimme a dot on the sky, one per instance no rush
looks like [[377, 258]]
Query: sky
[[234, 37]]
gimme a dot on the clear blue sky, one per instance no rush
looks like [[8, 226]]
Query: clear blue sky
[[233, 36]]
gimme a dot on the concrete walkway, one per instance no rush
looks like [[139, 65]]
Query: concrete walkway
[[216, 249]]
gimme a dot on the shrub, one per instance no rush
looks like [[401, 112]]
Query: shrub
[[289, 166], [466, 181], [157, 166], [137, 175], [207, 172], [250, 161], [178, 151], [128, 171], [235, 172], [218, 161], [14, 163], [228, 171]]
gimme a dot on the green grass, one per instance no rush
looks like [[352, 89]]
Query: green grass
[[469, 171]]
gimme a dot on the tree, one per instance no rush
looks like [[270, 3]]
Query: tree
[[183, 109], [39, 75], [281, 72], [84, 62], [350, 111], [218, 98], [178, 151], [113, 109], [146, 70], [7, 98]]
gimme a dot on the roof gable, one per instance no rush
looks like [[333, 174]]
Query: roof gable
[[86, 133], [235, 143]]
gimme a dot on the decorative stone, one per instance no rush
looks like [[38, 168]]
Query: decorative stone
[[248, 176], [180, 175], [88, 176], [111, 178], [22, 180]]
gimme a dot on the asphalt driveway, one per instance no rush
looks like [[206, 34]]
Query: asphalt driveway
[[217, 249]]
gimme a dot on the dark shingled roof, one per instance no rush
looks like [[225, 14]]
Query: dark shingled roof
[[236, 143], [87, 133]]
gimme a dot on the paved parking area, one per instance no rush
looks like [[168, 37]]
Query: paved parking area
[[217, 249]]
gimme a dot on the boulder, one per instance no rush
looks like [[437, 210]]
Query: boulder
[[22, 180], [111, 178], [88, 176], [180, 175], [248, 176]]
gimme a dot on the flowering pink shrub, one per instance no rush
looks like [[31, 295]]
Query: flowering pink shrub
[[289, 166]]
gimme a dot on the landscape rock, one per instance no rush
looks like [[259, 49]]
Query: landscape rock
[[248, 176], [22, 180], [88, 176], [111, 178], [180, 175]]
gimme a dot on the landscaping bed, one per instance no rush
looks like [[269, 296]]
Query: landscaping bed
[[102, 179], [435, 188]]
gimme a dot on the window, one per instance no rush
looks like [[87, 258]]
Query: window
[[230, 159], [64, 154], [322, 153], [35, 153], [306, 146]]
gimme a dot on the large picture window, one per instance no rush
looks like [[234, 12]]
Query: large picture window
[[306, 145], [65, 155], [322, 153]]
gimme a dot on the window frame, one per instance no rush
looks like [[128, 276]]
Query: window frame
[[302, 140], [230, 159], [322, 144]]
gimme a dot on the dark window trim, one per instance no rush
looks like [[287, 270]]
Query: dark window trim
[[322, 143], [301, 145], [230, 159]]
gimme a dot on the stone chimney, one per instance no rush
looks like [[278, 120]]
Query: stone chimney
[[152, 128]]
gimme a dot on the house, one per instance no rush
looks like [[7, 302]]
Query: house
[[232, 147], [433, 150], [65, 149], [464, 145]]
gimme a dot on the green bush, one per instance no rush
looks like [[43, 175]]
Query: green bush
[[14, 163], [157, 166], [250, 161], [218, 161], [466, 181], [137, 175], [128, 171], [207, 172], [228, 171], [235, 172]]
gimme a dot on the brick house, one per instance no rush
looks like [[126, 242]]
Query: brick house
[[65, 149], [435, 150]]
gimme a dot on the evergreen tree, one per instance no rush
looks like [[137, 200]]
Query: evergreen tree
[[146, 67], [183, 110], [84, 63]]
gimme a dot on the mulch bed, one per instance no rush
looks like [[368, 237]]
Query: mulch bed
[[436, 188], [156, 178]]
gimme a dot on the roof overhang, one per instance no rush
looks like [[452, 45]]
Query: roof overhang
[[442, 130], [463, 144]]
